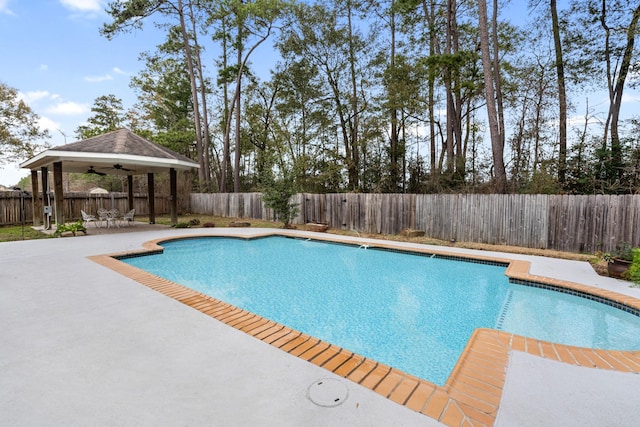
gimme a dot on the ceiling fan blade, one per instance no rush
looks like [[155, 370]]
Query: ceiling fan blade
[[122, 168], [95, 172]]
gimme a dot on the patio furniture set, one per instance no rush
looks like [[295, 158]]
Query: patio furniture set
[[109, 218]]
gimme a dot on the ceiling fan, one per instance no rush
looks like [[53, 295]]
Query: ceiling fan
[[95, 172], [119, 167]]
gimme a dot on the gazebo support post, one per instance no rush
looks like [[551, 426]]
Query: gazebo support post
[[173, 199], [59, 195], [152, 199], [46, 218], [130, 190], [35, 200]]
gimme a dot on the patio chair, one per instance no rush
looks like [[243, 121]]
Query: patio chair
[[128, 217], [113, 217], [86, 219], [103, 214], [110, 217]]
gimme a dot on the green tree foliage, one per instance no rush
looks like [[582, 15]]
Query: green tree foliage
[[108, 115], [389, 95], [634, 270], [602, 38], [244, 26], [20, 134], [164, 99], [325, 37]]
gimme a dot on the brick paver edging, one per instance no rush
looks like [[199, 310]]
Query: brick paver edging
[[471, 395]]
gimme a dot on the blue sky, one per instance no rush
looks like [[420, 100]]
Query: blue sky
[[53, 54]]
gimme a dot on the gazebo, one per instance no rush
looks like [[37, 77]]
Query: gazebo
[[120, 152]]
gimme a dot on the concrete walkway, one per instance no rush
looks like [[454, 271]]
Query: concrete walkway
[[82, 345]]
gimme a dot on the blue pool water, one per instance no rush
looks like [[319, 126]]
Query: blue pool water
[[412, 312]]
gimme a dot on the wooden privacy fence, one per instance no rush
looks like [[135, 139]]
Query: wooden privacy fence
[[74, 202], [565, 223], [10, 207]]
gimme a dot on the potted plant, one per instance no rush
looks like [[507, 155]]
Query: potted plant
[[619, 260], [72, 228]]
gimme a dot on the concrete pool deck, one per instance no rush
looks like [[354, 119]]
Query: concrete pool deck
[[82, 344]]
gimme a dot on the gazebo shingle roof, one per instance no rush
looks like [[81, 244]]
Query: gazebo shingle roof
[[122, 141], [117, 152]]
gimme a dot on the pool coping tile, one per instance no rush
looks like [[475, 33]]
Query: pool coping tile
[[472, 394]]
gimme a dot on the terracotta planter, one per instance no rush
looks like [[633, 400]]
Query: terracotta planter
[[617, 267]]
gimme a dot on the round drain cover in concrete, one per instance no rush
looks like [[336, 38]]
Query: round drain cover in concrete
[[328, 392]]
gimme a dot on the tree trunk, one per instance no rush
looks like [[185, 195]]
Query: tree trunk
[[238, 148], [448, 84], [562, 94], [394, 173], [354, 162], [194, 96], [496, 73], [497, 148], [430, 14], [203, 102], [616, 100], [226, 149]]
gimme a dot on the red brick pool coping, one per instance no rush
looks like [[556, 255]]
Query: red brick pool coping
[[471, 395]]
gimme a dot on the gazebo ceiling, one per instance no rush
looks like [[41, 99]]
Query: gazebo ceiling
[[120, 152]]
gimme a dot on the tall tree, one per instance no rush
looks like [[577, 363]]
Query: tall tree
[[327, 38], [490, 77], [20, 133], [164, 99], [129, 14], [562, 92], [254, 22], [602, 40], [617, 76], [108, 115]]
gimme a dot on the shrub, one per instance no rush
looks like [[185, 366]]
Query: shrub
[[74, 227], [634, 270], [277, 196], [181, 225], [194, 221]]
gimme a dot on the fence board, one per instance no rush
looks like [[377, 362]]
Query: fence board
[[569, 223]]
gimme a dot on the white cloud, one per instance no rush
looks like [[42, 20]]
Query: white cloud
[[49, 124], [119, 71], [68, 108], [34, 96], [98, 79], [630, 97], [4, 7], [82, 5]]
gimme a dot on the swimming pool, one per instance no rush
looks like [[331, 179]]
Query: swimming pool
[[413, 312]]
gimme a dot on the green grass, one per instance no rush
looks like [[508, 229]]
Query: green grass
[[14, 232], [218, 221]]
